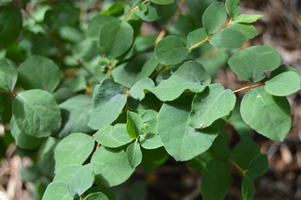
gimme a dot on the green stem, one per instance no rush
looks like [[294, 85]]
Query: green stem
[[198, 44], [236, 165], [132, 10]]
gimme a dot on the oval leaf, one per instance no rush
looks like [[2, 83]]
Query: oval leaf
[[36, 113], [196, 37], [116, 38], [57, 190], [171, 50], [233, 8], [214, 17], [96, 196], [107, 163], [162, 2], [149, 15], [249, 31], [66, 173], [228, 38], [134, 154], [96, 23], [150, 141], [8, 76], [268, 115], [246, 18], [73, 149], [133, 124], [248, 188], [251, 63], [258, 166]]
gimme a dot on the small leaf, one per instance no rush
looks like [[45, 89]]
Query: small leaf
[[133, 124], [8, 76], [137, 91], [134, 154], [268, 115], [116, 38], [233, 8], [283, 84], [248, 188], [258, 166], [107, 163], [228, 38], [162, 2], [213, 103], [150, 141], [249, 31], [38, 72], [196, 37], [108, 99], [284, 68], [251, 63], [73, 149], [214, 17], [57, 190], [216, 177], [36, 113], [246, 18], [11, 25], [96, 196], [190, 75], [101, 189], [82, 180], [96, 23], [171, 50], [149, 14], [185, 142], [112, 137], [143, 8]]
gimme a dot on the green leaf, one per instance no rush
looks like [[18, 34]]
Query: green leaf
[[96, 23], [57, 190], [228, 38], [11, 25], [133, 124], [149, 15], [283, 84], [182, 26], [116, 38], [8, 76], [30, 174], [190, 75], [82, 180], [213, 103], [171, 50], [180, 140], [267, 114], [153, 158], [105, 190], [216, 177], [148, 68], [138, 89], [258, 166], [46, 162], [251, 63], [196, 37], [75, 115], [221, 147], [246, 18], [244, 152], [108, 99], [150, 122], [23, 140], [162, 2], [249, 31], [66, 173], [38, 72], [133, 3], [96, 196], [107, 163], [112, 137], [214, 17], [134, 154], [138, 190], [233, 8], [199, 162], [73, 149], [143, 8], [150, 141], [248, 188], [284, 68], [36, 113]]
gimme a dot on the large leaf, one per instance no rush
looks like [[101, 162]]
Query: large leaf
[[268, 115], [191, 75], [116, 38], [107, 103], [75, 114], [73, 149], [214, 17], [213, 103], [228, 38], [36, 113], [171, 50], [251, 63], [216, 177], [8, 76], [82, 180], [283, 84], [11, 25], [57, 190], [134, 154], [96, 23], [248, 188], [133, 124], [232, 8], [112, 137], [110, 166], [180, 140], [38, 72], [66, 173]]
